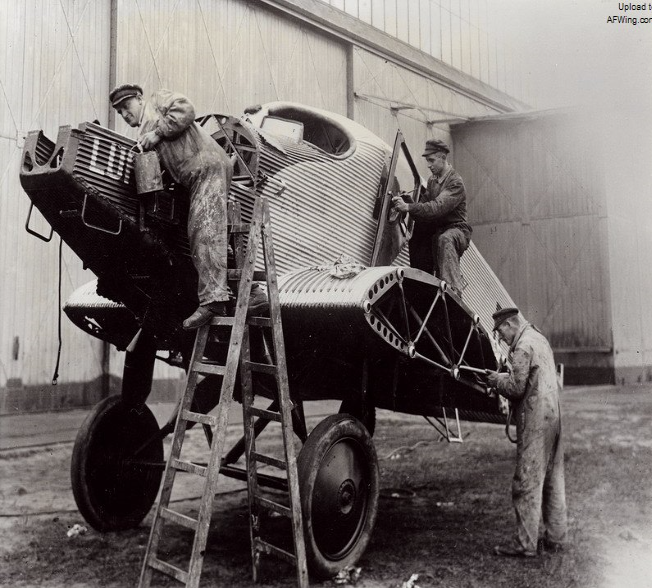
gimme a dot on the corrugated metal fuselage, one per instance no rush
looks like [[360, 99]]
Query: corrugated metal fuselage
[[322, 201]]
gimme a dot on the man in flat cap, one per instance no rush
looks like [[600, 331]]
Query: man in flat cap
[[538, 485], [194, 159], [441, 231]]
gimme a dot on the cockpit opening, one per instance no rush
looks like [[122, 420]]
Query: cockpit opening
[[310, 126]]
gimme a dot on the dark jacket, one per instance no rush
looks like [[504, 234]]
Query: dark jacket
[[443, 204]]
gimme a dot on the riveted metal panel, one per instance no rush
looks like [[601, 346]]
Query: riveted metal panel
[[328, 210], [413, 334], [318, 288], [483, 291], [331, 212], [321, 205]]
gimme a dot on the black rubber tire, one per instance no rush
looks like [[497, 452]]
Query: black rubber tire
[[112, 495], [339, 486], [365, 413]]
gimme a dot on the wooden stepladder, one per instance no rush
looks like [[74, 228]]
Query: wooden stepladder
[[216, 423]]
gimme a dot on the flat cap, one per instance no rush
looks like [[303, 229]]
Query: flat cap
[[502, 314], [435, 146], [120, 93]]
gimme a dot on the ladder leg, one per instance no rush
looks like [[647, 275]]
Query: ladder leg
[[239, 355], [238, 335], [250, 447], [170, 471], [213, 470], [285, 401]]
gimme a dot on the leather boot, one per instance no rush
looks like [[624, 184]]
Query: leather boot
[[258, 302], [550, 546], [512, 551], [204, 314]]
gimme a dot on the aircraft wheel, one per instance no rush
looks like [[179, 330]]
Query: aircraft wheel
[[339, 480], [111, 493]]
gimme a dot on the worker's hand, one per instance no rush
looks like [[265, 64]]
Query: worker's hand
[[492, 378], [399, 204], [150, 140]]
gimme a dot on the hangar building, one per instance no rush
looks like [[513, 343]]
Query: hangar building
[[433, 68]]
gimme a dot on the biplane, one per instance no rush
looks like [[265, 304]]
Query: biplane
[[360, 326]]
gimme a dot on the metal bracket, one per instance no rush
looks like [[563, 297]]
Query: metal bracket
[[235, 151], [97, 227], [441, 426], [32, 232]]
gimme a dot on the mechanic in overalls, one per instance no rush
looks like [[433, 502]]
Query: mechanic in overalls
[[538, 485], [166, 123]]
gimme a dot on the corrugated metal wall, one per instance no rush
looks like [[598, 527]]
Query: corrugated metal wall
[[227, 55], [629, 193], [462, 33], [55, 70], [538, 210]]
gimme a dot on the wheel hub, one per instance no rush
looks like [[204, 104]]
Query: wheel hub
[[347, 495]]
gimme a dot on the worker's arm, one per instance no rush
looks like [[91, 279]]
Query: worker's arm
[[446, 202], [512, 384], [177, 114]]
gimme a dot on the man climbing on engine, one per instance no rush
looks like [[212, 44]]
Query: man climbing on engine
[[166, 123]]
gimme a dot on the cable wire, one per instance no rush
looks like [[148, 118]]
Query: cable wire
[[55, 376]]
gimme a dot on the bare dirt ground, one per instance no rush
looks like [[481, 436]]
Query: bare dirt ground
[[443, 507]]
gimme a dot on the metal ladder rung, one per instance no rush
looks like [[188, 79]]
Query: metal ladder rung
[[197, 417], [259, 321], [189, 467], [281, 509], [262, 368], [169, 569], [179, 519], [269, 460], [213, 369], [272, 549], [263, 413]]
